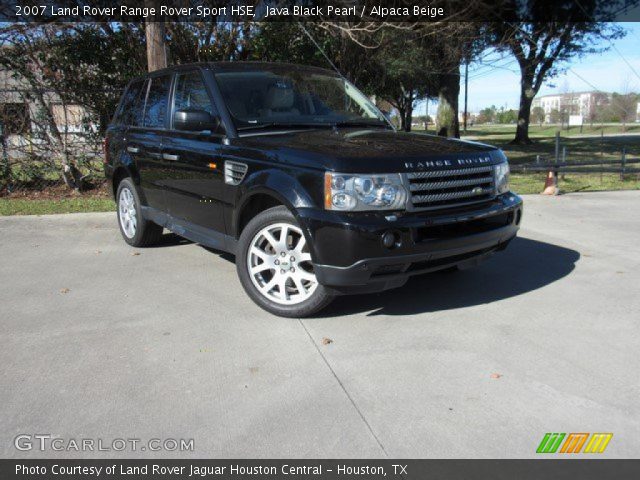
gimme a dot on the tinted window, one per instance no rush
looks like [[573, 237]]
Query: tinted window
[[129, 100], [134, 117], [191, 93], [283, 94], [157, 98]]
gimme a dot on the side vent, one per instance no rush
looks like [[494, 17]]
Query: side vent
[[234, 172]]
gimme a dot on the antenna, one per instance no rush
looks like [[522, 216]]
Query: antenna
[[320, 49]]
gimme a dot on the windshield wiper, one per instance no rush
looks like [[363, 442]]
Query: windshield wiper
[[359, 123]]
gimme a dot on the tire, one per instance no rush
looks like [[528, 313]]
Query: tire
[[266, 263], [136, 231]]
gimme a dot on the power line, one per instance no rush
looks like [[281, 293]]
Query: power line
[[320, 49], [625, 60], [610, 42]]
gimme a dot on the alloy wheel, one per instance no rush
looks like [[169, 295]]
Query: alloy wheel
[[280, 265], [127, 210]]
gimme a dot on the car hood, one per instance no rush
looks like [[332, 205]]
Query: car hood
[[375, 150]]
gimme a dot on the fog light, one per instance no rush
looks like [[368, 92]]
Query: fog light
[[388, 239], [391, 239]]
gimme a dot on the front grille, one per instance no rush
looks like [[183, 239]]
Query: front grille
[[450, 188]]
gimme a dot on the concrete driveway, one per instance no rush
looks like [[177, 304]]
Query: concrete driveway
[[102, 341]]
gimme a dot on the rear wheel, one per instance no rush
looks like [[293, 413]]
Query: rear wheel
[[135, 230], [275, 268]]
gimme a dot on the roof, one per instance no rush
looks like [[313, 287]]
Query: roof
[[571, 93], [240, 66]]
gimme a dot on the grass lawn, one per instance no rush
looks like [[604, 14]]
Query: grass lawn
[[579, 147], [26, 206], [584, 182], [550, 130]]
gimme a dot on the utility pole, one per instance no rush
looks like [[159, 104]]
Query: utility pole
[[466, 94], [426, 114], [155, 35]]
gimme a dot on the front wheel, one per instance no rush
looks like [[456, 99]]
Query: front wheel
[[275, 268]]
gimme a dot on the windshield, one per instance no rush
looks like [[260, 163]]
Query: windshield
[[289, 96]]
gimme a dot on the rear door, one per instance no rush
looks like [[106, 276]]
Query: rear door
[[144, 138], [117, 130], [195, 181]]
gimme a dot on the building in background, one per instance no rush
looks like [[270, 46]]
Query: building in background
[[559, 107]]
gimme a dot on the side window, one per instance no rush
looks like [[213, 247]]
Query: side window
[[134, 117], [129, 100], [191, 93], [157, 99]]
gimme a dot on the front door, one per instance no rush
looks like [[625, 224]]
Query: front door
[[195, 159]]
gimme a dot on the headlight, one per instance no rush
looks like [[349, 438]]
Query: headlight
[[502, 178], [364, 192]]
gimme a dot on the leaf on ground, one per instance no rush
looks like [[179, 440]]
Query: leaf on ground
[[134, 254], [64, 290], [326, 341], [496, 375]]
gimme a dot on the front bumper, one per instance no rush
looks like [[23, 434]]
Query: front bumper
[[349, 255]]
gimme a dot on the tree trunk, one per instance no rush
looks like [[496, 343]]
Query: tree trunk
[[408, 117], [402, 113], [447, 123], [155, 35], [524, 112]]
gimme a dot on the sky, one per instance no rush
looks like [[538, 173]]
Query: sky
[[498, 84]]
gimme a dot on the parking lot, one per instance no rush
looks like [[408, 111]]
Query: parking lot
[[100, 340]]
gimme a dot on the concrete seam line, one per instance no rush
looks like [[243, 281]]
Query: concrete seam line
[[373, 434]]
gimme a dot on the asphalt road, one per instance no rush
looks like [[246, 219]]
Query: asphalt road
[[102, 341]]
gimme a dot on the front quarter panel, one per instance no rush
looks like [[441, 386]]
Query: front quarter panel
[[295, 188]]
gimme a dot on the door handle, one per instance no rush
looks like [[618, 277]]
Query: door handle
[[169, 156], [131, 149]]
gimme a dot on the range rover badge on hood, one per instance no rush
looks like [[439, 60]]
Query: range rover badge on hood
[[424, 164]]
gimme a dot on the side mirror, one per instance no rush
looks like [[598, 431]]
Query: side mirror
[[195, 121]]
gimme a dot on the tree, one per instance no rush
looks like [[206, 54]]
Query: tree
[[404, 76], [62, 70], [444, 44], [555, 116], [538, 115], [487, 115], [455, 43], [542, 48], [623, 107]]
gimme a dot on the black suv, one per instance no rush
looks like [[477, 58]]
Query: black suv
[[303, 179]]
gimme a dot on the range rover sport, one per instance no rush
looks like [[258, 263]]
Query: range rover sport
[[303, 179]]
